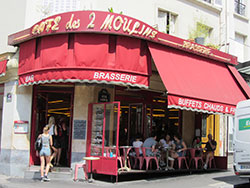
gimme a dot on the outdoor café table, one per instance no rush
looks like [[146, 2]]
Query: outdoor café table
[[92, 158], [167, 155], [125, 153]]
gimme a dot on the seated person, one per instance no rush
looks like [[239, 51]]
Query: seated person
[[165, 144], [179, 149], [196, 142], [209, 148], [150, 143], [197, 145], [138, 143]]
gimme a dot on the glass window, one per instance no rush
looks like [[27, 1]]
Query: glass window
[[218, 2], [204, 126], [208, 1], [166, 22], [111, 115], [240, 7], [240, 46], [104, 129], [50, 7]]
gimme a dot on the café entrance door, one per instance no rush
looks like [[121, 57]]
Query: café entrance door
[[135, 122], [57, 102]]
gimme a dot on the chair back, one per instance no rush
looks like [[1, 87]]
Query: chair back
[[192, 152], [144, 151], [137, 152]]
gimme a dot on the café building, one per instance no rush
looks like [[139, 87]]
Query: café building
[[110, 77]]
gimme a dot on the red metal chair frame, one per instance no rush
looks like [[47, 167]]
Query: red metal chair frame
[[149, 159], [138, 158], [182, 158], [194, 158]]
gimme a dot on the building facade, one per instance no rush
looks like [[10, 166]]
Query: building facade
[[205, 20]]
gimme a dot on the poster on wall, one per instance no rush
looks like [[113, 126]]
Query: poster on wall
[[79, 129], [21, 127]]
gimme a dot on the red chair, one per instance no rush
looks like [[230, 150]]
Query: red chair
[[119, 158], [211, 162], [182, 159], [138, 158], [194, 158], [80, 165], [149, 159], [127, 150]]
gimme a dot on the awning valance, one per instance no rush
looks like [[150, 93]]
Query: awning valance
[[85, 58], [197, 83], [3, 65]]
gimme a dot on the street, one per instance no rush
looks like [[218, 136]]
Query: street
[[202, 180]]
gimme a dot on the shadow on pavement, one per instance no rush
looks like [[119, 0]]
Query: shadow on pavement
[[242, 185], [234, 180]]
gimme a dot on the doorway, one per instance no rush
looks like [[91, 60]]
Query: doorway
[[135, 126], [58, 102]]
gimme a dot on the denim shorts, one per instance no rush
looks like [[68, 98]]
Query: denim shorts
[[45, 152]]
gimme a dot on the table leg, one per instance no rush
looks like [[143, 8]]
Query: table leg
[[125, 155], [91, 174], [167, 158]]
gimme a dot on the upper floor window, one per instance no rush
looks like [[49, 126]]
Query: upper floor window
[[239, 49], [208, 1], [166, 22], [240, 7], [50, 7]]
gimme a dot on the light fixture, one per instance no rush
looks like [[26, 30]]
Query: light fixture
[[57, 101]]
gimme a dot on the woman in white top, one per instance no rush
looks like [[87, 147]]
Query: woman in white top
[[138, 143], [45, 153]]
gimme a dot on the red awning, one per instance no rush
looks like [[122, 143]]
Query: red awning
[[3, 65], [197, 83], [85, 58]]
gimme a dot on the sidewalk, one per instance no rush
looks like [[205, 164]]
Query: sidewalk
[[225, 179]]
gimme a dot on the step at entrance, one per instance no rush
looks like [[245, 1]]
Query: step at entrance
[[57, 173]]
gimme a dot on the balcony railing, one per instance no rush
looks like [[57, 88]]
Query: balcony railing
[[239, 7]]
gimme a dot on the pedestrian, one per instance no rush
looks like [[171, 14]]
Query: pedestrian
[[45, 153], [53, 132]]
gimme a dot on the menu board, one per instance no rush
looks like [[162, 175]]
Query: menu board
[[79, 129], [97, 130]]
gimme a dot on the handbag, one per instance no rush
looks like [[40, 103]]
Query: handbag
[[38, 144]]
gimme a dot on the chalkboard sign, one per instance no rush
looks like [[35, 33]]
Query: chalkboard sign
[[103, 96], [79, 129]]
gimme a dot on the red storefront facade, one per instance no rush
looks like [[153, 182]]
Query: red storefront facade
[[93, 47]]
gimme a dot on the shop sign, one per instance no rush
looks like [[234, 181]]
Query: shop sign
[[114, 77], [112, 23], [21, 127], [196, 48], [94, 21], [244, 124], [201, 105], [103, 96]]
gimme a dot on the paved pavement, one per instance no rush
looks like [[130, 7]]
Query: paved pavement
[[200, 180]]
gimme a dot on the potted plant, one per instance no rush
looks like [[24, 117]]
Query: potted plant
[[200, 33]]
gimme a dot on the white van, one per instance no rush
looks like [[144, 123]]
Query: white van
[[241, 141]]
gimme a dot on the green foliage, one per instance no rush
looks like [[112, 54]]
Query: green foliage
[[112, 10], [201, 30], [214, 46]]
